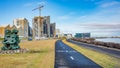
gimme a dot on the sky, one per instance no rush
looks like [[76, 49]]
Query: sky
[[100, 17]]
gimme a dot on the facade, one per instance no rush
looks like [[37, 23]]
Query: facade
[[22, 25], [52, 30], [82, 35], [68, 36], [41, 27], [3, 28], [46, 26], [57, 32], [37, 27], [30, 31]]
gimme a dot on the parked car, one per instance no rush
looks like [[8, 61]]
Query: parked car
[[30, 39]]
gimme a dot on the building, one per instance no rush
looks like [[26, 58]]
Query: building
[[30, 31], [2, 31], [68, 36], [37, 24], [57, 32], [3, 28], [46, 26], [82, 35], [22, 25], [52, 30], [42, 27]]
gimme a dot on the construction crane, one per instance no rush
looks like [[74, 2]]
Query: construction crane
[[39, 8], [39, 19]]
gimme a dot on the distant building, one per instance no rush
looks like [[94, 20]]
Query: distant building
[[57, 32], [22, 25], [3, 28], [68, 36], [82, 35], [52, 29]]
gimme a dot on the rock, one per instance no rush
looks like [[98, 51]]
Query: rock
[[14, 51]]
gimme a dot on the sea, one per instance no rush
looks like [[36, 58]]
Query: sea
[[115, 40]]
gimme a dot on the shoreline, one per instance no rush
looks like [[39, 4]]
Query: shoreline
[[98, 43]]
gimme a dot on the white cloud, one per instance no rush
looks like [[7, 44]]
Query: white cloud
[[102, 26], [96, 29], [35, 3], [68, 16], [41, 3], [63, 17], [105, 4], [102, 21]]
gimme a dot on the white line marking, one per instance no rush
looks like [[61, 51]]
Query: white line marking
[[71, 57], [66, 50]]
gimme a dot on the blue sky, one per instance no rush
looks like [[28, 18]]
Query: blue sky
[[100, 17]]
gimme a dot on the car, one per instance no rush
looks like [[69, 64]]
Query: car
[[30, 39]]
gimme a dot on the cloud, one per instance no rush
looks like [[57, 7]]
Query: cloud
[[104, 19], [41, 3], [101, 21], [35, 3], [64, 17], [94, 28], [109, 26], [105, 4], [68, 16]]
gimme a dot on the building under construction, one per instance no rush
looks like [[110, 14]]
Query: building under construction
[[42, 27]]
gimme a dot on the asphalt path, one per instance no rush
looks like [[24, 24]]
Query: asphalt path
[[110, 51], [67, 57]]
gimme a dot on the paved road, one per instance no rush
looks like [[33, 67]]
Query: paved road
[[110, 51], [67, 57]]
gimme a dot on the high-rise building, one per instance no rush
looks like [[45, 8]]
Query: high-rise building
[[41, 27], [22, 25], [52, 29], [46, 26], [30, 31], [37, 24]]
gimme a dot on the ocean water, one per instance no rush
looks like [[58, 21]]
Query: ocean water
[[105, 34], [115, 40]]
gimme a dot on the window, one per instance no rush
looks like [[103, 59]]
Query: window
[[18, 23]]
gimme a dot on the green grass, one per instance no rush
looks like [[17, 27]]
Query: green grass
[[102, 59], [41, 55], [1, 39]]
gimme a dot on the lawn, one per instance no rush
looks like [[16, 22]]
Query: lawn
[[102, 59], [41, 56]]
